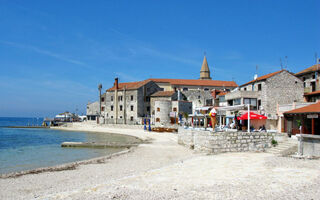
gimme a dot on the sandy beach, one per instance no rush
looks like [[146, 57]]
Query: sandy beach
[[162, 169]]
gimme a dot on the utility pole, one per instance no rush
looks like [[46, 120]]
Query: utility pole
[[99, 88]]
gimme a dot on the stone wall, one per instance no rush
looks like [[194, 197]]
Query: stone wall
[[282, 88], [198, 97], [219, 142], [93, 108], [309, 145]]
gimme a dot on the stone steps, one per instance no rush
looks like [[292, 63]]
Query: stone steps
[[287, 147]]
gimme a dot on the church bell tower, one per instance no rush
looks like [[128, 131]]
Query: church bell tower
[[205, 72]]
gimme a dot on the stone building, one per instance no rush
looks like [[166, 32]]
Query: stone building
[[310, 78], [266, 93], [193, 84], [199, 98], [170, 112], [93, 111], [129, 103], [164, 95], [204, 83]]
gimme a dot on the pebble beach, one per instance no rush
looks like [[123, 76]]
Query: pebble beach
[[162, 169]]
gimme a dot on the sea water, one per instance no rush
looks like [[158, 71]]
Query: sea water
[[30, 148]]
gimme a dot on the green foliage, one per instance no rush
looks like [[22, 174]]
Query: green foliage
[[298, 122], [274, 142]]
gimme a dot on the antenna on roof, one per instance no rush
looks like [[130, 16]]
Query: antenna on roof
[[281, 64], [256, 74], [286, 62]]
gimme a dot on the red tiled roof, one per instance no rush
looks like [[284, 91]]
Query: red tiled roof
[[314, 108], [130, 85], [264, 77], [312, 93], [163, 94], [313, 68], [196, 82]]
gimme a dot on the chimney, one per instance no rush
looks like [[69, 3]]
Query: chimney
[[116, 83]]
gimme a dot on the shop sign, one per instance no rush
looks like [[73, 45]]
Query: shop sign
[[312, 116], [172, 114]]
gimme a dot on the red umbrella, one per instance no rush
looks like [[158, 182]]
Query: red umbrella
[[252, 116]]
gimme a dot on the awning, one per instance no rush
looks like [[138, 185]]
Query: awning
[[231, 108], [203, 108], [252, 116]]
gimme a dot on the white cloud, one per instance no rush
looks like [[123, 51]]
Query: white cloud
[[45, 52]]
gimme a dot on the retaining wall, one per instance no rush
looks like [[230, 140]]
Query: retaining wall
[[309, 145], [218, 142]]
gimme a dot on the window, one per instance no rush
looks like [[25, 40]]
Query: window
[[259, 87], [236, 102], [148, 108], [174, 109], [208, 102], [158, 120], [245, 89], [252, 102], [131, 97], [185, 89], [111, 108], [102, 108], [147, 99], [119, 98], [313, 76], [304, 84], [222, 99], [102, 99], [131, 108], [131, 118], [111, 98], [120, 108], [120, 117], [158, 109], [199, 97], [111, 117], [259, 103], [304, 78], [206, 89]]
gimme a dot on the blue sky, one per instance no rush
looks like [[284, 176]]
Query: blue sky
[[53, 54]]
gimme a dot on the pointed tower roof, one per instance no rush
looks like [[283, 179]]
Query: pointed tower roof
[[205, 67], [205, 71]]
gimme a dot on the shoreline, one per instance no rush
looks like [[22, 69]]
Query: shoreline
[[84, 127], [73, 165], [163, 169], [65, 166]]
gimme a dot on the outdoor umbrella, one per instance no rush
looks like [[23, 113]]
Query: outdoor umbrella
[[252, 116]]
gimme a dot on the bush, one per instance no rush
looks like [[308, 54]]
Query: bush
[[274, 142]]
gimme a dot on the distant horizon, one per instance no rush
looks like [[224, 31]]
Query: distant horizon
[[54, 55]]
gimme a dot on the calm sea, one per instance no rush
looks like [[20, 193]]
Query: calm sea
[[30, 148]]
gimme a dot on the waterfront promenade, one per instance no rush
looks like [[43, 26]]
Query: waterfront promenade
[[162, 169]]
